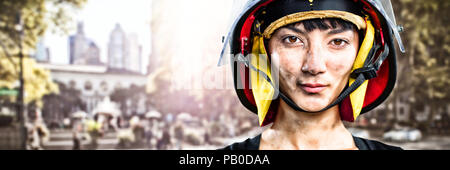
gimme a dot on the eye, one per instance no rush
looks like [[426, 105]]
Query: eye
[[339, 42], [292, 40]]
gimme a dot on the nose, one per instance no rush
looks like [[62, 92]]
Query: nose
[[314, 62]]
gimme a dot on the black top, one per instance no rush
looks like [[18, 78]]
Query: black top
[[361, 144]]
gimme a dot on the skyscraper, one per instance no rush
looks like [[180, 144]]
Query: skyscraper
[[117, 48], [134, 54], [124, 52], [42, 53], [82, 50]]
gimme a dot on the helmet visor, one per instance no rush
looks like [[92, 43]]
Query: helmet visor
[[385, 9]]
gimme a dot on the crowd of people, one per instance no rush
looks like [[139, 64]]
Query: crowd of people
[[158, 131]]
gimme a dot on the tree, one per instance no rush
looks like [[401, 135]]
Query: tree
[[22, 22], [59, 106], [424, 69], [130, 99], [37, 16], [38, 80]]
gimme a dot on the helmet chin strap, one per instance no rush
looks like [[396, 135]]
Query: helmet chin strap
[[367, 72]]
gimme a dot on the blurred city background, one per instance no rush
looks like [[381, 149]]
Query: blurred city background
[[142, 74]]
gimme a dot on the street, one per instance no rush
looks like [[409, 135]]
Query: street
[[428, 143], [62, 140]]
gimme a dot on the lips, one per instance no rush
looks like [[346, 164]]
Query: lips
[[313, 87]]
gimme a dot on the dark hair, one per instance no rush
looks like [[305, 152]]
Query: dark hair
[[325, 24], [328, 23]]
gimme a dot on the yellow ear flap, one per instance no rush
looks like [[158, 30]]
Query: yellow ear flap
[[357, 97], [262, 90]]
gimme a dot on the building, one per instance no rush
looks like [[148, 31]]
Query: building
[[42, 53], [124, 52], [134, 54], [117, 48], [82, 50], [90, 56], [96, 82]]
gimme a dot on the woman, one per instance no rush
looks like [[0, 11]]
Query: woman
[[308, 66]]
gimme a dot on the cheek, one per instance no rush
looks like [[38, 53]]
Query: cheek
[[289, 69], [288, 64], [287, 60], [341, 64]]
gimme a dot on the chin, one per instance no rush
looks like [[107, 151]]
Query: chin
[[313, 109], [312, 105]]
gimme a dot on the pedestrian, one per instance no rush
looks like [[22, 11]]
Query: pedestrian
[[179, 134], [38, 132], [77, 130], [95, 131], [148, 133], [165, 141]]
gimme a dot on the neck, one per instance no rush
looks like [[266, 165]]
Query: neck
[[293, 121], [302, 130]]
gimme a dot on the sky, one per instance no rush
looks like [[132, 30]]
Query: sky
[[99, 18]]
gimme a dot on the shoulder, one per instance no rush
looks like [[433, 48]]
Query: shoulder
[[367, 144], [249, 144]]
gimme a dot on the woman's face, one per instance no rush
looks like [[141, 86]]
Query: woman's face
[[314, 66]]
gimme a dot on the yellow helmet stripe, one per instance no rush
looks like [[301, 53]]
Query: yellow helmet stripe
[[357, 97], [262, 90]]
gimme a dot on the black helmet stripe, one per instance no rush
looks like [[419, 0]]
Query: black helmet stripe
[[279, 9]]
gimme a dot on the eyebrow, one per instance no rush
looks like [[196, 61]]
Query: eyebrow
[[333, 31], [293, 28], [337, 31]]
